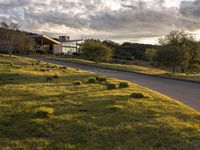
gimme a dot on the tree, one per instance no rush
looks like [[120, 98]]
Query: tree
[[23, 43], [96, 51], [150, 54], [169, 56], [177, 50], [9, 33]]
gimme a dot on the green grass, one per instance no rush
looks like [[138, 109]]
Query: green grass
[[87, 116], [134, 68]]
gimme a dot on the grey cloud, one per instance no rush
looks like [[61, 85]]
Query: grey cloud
[[190, 9], [135, 19]]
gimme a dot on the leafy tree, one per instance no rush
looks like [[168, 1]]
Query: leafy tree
[[96, 51], [177, 50], [169, 56], [150, 54]]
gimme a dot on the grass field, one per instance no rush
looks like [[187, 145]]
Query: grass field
[[135, 68], [41, 108]]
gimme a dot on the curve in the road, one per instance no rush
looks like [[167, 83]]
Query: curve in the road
[[185, 92]]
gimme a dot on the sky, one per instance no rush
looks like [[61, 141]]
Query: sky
[[140, 21]]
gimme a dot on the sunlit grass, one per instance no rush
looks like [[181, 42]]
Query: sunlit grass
[[86, 116]]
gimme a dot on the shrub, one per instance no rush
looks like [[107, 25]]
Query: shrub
[[48, 66], [43, 70], [97, 78], [137, 95], [35, 69], [47, 70], [37, 63], [111, 86], [55, 76], [64, 67], [123, 85], [102, 79], [11, 64], [92, 80], [45, 112], [49, 79], [77, 82], [41, 66], [77, 69]]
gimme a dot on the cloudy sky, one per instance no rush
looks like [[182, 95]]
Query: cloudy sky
[[118, 20]]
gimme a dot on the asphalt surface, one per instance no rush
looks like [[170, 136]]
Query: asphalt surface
[[183, 91]]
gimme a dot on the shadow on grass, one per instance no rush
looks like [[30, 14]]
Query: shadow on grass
[[16, 78]]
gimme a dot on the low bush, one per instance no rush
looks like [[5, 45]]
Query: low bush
[[92, 80], [45, 112], [11, 64], [43, 70], [37, 63], [77, 69], [64, 67], [123, 85], [102, 79], [55, 76], [111, 86], [77, 82], [137, 95], [97, 78], [49, 79]]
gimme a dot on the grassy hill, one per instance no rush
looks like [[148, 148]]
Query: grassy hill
[[41, 108]]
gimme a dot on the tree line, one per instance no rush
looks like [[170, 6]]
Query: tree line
[[177, 50]]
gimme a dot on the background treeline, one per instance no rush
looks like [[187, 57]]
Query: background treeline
[[129, 51], [12, 40], [178, 50]]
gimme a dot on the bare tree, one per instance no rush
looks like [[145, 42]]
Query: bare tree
[[9, 33]]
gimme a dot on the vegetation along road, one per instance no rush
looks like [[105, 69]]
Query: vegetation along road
[[185, 92]]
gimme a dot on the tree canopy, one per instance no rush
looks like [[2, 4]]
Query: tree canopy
[[179, 49], [96, 51]]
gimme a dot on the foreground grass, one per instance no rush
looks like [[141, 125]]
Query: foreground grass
[[86, 116], [135, 68]]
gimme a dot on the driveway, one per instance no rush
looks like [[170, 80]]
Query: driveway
[[183, 91]]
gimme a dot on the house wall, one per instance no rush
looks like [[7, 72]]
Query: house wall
[[57, 49]]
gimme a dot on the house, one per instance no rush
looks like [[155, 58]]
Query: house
[[70, 46], [63, 45], [46, 44]]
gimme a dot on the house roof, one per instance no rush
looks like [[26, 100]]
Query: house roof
[[45, 37]]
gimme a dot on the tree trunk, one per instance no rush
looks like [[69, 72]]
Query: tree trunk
[[174, 68], [183, 68], [10, 54]]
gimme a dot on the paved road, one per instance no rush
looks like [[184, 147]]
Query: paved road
[[185, 92]]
